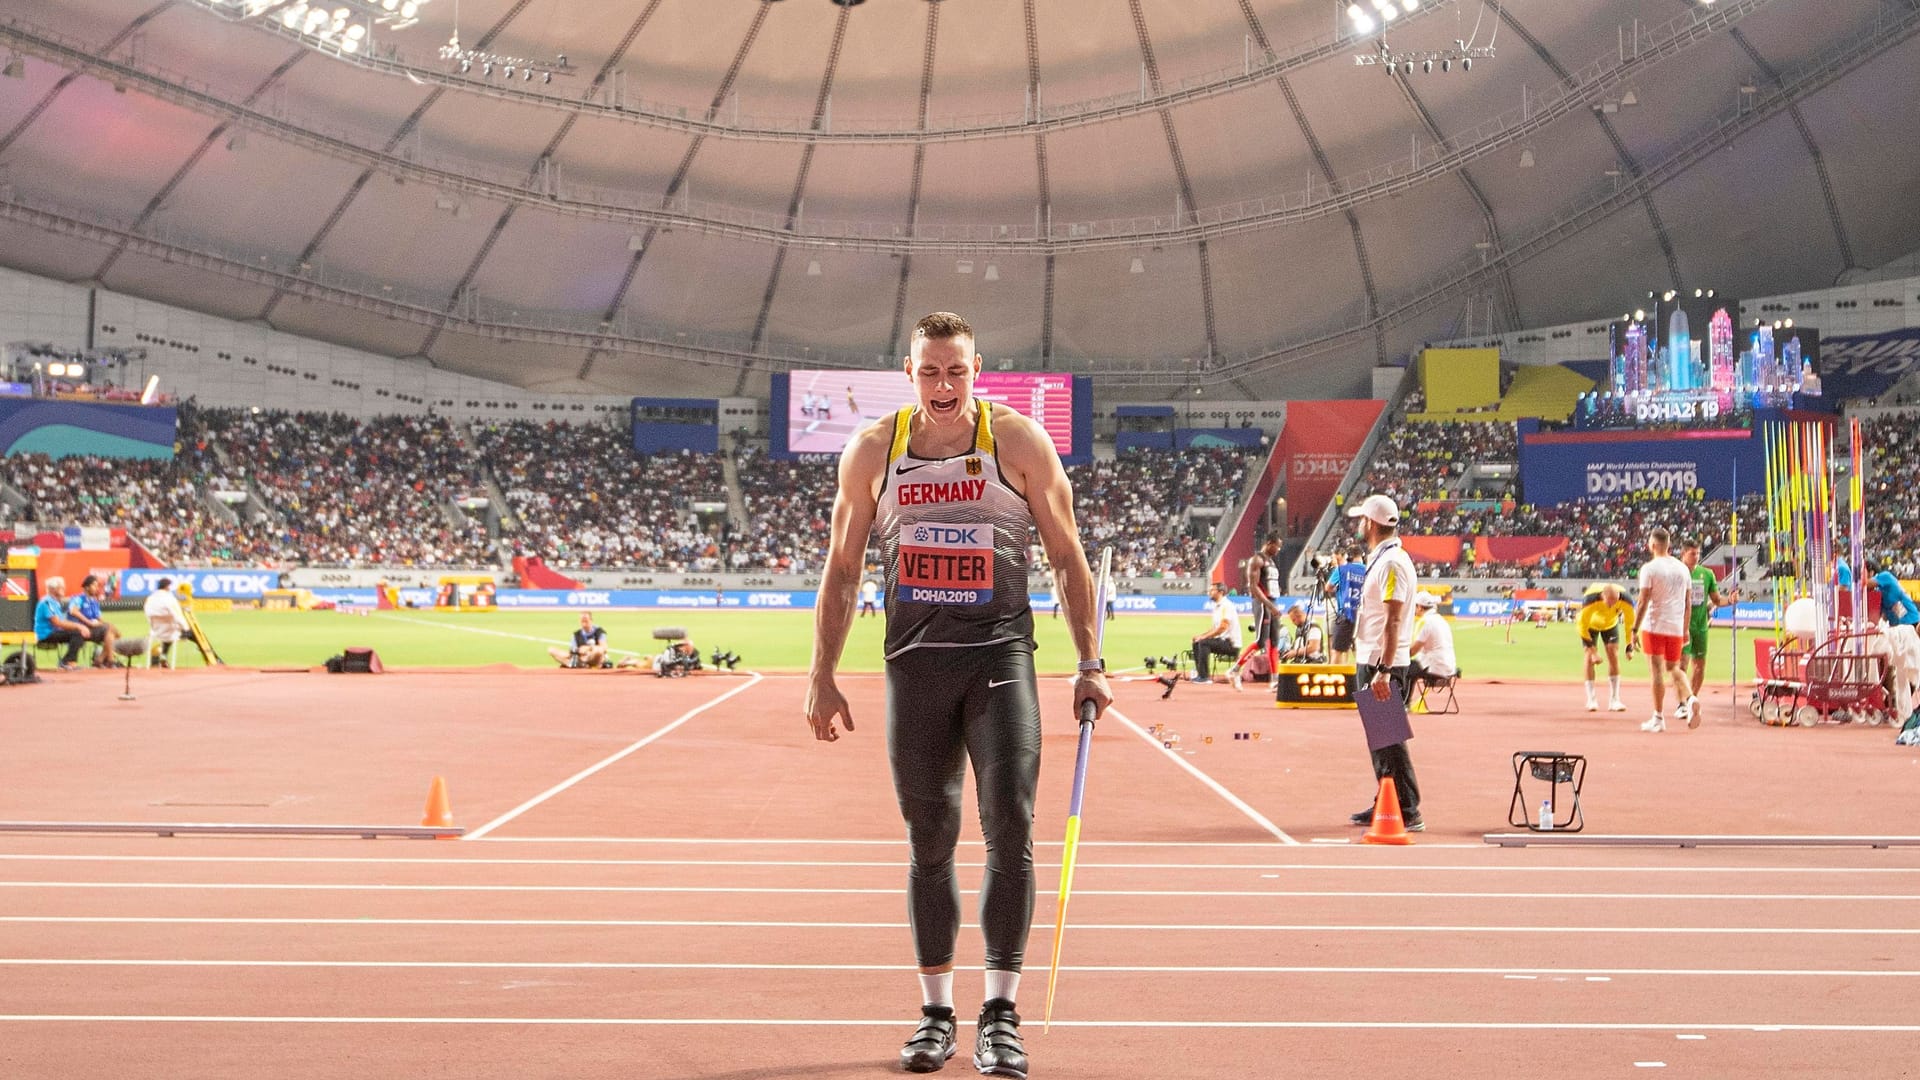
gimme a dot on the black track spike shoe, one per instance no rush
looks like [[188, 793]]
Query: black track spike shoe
[[997, 1050], [932, 1043]]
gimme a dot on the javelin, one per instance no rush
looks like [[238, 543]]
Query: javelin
[[1101, 594]]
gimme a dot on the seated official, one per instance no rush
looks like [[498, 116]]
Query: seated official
[[1222, 637], [1307, 643], [1431, 653], [589, 646], [85, 610], [52, 625], [166, 619]]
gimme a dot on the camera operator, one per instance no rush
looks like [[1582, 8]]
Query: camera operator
[[1343, 587], [1222, 638], [1308, 643], [589, 646]]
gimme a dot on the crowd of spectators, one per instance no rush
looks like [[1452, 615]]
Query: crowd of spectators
[[581, 499], [1603, 539], [1423, 461], [347, 492], [1422, 465], [1138, 504], [1891, 494], [788, 504]]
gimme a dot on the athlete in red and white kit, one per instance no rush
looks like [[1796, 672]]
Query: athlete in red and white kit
[[953, 486]]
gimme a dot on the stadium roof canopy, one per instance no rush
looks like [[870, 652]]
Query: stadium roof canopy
[[1168, 193]]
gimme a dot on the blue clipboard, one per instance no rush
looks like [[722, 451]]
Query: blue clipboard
[[1386, 721]]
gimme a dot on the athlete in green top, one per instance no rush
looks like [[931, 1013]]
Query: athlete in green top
[[1703, 595]]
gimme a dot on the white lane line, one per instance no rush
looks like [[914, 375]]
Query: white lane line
[[1215, 786], [1293, 894], [1111, 969], [609, 760], [489, 632], [1304, 928], [456, 857], [893, 1022]]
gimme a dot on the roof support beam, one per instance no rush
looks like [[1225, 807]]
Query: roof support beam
[[1032, 120], [1800, 124], [1660, 233]]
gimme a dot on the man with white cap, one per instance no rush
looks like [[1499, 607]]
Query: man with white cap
[[1383, 638], [1431, 654]]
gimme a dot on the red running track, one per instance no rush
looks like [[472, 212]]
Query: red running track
[[722, 898]]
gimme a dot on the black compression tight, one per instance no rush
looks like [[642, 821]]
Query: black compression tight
[[944, 708]]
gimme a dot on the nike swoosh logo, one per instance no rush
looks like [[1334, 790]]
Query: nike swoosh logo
[[1002, 682], [902, 470]]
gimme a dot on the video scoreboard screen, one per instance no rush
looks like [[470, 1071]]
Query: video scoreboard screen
[[820, 410], [1691, 363]]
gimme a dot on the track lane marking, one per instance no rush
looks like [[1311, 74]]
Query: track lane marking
[[609, 760]]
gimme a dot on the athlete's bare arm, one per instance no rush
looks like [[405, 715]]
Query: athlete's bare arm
[[1033, 467], [861, 465]]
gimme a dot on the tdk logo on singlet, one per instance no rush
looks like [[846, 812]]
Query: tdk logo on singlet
[[948, 535], [956, 491]]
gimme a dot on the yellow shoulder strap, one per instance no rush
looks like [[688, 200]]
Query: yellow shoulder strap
[[983, 438], [902, 428]]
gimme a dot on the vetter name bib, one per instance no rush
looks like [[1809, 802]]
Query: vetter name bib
[[946, 564]]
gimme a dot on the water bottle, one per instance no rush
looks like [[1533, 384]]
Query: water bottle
[[1546, 815]]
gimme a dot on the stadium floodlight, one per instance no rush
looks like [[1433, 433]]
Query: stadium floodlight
[[56, 370], [1410, 6], [463, 59]]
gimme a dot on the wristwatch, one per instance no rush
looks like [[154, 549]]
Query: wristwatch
[[1089, 666]]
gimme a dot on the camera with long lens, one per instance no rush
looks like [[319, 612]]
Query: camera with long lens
[[679, 659]]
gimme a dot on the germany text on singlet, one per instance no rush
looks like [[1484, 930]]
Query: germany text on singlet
[[954, 537]]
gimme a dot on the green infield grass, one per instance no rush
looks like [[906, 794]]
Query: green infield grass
[[783, 640]]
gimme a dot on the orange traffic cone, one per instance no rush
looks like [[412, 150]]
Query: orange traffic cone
[[440, 812], [1387, 827]]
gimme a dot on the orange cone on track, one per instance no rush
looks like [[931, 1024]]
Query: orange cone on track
[[1387, 827], [440, 812]]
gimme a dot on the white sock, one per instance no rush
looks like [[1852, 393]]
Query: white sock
[[1613, 684], [1002, 984], [1589, 689], [937, 989]]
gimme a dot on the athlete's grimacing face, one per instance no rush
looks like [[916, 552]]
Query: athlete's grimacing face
[[943, 370]]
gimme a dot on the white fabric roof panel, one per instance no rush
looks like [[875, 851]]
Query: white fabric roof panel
[[1291, 278]]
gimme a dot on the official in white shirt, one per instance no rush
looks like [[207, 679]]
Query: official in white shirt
[[1222, 638], [1431, 654], [1383, 638]]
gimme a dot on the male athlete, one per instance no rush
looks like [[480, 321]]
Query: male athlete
[[952, 485], [1601, 620], [1703, 595], [1661, 616], [1263, 584], [869, 598]]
